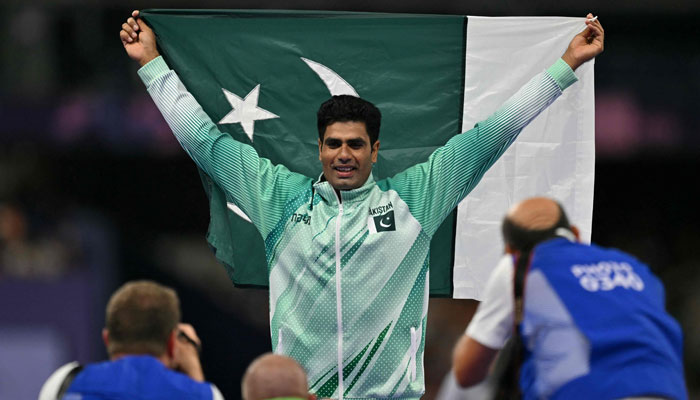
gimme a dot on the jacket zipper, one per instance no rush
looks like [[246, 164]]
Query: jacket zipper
[[339, 297]]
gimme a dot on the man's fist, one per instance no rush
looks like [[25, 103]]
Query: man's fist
[[138, 39], [585, 45]]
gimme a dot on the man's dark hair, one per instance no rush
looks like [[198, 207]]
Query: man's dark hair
[[346, 108], [522, 239], [140, 317]]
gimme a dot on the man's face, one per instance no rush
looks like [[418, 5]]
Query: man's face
[[346, 154]]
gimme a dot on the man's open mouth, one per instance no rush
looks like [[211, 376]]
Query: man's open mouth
[[344, 171]]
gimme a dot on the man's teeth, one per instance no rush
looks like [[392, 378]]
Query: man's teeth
[[344, 169]]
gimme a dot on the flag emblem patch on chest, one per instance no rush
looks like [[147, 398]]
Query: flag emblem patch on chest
[[381, 223]]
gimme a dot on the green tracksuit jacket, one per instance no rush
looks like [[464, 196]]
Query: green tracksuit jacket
[[349, 276]]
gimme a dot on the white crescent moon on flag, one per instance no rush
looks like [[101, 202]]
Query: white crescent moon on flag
[[334, 82]]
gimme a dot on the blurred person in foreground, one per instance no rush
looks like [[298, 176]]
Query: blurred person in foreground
[[590, 322], [151, 354], [274, 376]]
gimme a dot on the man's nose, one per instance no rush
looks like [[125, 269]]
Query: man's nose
[[344, 153]]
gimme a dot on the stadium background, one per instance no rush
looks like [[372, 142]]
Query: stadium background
[[94, 191]]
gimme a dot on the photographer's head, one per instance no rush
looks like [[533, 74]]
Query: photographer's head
[[273, 376], [535, 220], [141, 318]]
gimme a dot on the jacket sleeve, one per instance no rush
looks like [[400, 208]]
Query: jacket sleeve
[[251, 182], [434, 188]]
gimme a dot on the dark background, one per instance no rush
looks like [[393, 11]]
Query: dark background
[[94, 191]]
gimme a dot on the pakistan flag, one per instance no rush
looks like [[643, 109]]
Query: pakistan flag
[[261, 76]]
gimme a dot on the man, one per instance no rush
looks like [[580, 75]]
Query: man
[[593, 325], [151, 354], [273, 376], [348, 256]]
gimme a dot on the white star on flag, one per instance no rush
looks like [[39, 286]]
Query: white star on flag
[[245, 111]]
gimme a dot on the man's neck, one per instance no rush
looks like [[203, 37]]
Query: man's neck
[[163, 358], [337, 193]]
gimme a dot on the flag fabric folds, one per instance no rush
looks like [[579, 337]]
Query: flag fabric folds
[[261, 75]]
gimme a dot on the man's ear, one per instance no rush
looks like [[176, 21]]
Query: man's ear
[[320, 146], [576, 232], [171, 343], [375, 151], [105, 337], [509, 250]]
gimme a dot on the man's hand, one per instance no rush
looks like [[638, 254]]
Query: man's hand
[[186, 353], [138, 39], [585, 45]]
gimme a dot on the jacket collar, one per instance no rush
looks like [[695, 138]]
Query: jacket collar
[[323, 188]]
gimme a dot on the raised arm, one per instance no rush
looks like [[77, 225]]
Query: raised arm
[[259, 188], [434, 188]]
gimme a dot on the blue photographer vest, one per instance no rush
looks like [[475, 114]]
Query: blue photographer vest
[[135, 377], [595, 327]]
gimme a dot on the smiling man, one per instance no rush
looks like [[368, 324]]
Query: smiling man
[[348, 140], [348, 256]]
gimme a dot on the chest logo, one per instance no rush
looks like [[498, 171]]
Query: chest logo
[[381, 223]]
